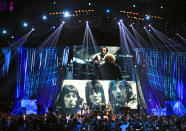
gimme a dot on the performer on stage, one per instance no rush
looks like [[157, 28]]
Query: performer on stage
[[110, 71]]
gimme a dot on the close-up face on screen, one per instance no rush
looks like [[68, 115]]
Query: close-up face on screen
[[74, 94]]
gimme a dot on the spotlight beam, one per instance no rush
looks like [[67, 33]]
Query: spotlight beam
[[154, 42], [89, 43], [164, 39], [139, 38], [53, 38]]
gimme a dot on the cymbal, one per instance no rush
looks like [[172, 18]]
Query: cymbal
[[77, 60]]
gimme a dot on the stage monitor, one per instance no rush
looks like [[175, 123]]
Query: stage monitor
[[30, 105]]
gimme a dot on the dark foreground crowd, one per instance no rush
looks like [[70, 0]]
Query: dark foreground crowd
[[90, 122]]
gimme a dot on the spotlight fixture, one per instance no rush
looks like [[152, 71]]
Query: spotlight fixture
[[63, 22], [118, 23], [33, 29], [121, 20], [144, 27], [86, 22], [147, 17], [12, 37], [66, 14], [89, 4], [107, 11], [177, 34], [25, 24], [4, 32], [130, 25], [149, 30], [134, 6], [44, 17], [53, 27], [149, 25]]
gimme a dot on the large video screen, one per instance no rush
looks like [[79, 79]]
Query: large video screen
[[75, 94], [102, 63]]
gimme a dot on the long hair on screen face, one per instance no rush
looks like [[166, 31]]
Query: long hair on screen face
[[122, 85], [66, 90], [94, 86]]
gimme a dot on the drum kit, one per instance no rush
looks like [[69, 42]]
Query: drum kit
[[83, 69]]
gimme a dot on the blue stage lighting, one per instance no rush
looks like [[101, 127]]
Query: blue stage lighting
[[107, 11], [147, 17], [33, 29], [25, 24], [134, 6], [86, 22], [4, 32], [53, 27], [89, 4], [66, 14], [44, 17]]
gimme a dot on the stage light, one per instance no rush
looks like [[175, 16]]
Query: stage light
[[44, 17], [134, 6], [161, 7], [107, 11], [53, 27], [66, 14], [144, 27], [63, 22], [177, 34], [149, 30], [86, 22], [33, 29], [89, 4], [12, 37], [54, 2], [149, 25], [4, 32], [118, 23], [147, 17], [130, 25], [121, 20], [25, 24]]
